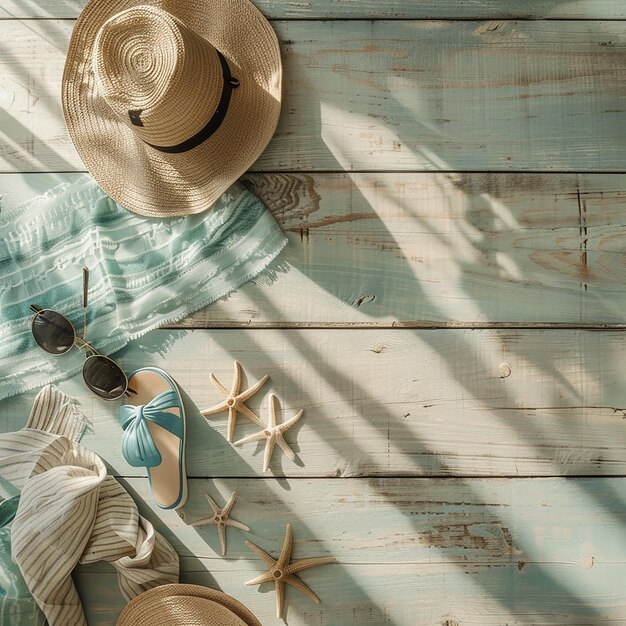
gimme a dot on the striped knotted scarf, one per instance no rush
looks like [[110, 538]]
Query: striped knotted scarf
[[71, 511]]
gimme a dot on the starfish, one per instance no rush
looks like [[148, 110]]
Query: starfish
[[281, 571], [273, 434], [234, 401], [221, 518]]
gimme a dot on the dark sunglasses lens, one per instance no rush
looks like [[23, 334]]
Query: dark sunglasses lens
[[104, 377], [53, 332]]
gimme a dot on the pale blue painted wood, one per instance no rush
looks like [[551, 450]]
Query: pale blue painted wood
[[449, 522], [381, 249], [371, 9], [409, 520], [482, 551], [385, 95], [407, 595], [380, 402], [403, 96]]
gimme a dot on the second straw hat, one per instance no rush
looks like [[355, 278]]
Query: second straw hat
[[185, 605], [168, 102]]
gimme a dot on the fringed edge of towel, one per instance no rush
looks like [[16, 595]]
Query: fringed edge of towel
[[271, 249], [267, 251]]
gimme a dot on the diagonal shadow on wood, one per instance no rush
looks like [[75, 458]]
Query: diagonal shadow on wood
[[339, 380]]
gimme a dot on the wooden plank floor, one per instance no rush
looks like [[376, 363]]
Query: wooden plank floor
[[449, 313], [412, 95]]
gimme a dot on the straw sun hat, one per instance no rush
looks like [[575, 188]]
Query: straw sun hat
[[168, 102], [185, 605]]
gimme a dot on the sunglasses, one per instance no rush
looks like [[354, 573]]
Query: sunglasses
[[57, 335]]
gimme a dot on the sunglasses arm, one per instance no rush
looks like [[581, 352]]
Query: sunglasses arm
[[35, 309]]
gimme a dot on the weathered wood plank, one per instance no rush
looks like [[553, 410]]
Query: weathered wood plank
[[370, 9], [409, 520], [383, 249], [537, 551], [404, 595], [391, 402], [381, 95]]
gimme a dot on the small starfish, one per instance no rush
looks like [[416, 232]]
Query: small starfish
[[221, 518], [281, 571], [234, 401], [273, 434]]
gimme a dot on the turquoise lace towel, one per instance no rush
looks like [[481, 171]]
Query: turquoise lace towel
[[143, 272]]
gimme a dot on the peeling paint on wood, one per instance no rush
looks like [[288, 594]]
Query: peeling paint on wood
[[370, 9], [399, 402], [387, 95], [420, 249], [401, 249], [404, 594], [412, 520], [546, 549], [291, 197]]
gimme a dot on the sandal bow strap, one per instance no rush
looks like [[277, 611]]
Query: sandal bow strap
[[138, 446]]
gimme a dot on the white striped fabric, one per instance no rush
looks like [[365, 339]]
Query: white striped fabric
[[71, 512]]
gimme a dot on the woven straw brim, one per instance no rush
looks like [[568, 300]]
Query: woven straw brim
[[154, 183], [185, 605]]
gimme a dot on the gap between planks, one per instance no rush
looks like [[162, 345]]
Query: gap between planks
[[521, 171], [399, 325], [487, 563], [429, 477], [382, 18], [332, 10]]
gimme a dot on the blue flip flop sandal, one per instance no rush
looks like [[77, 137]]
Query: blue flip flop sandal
[[154, 434]]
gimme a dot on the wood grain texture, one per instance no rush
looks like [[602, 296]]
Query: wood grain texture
[[405, 595], [410, 520], [390, 402], [431, 552], [384, 407], [383, 95], [383, 249], [370, 9]]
